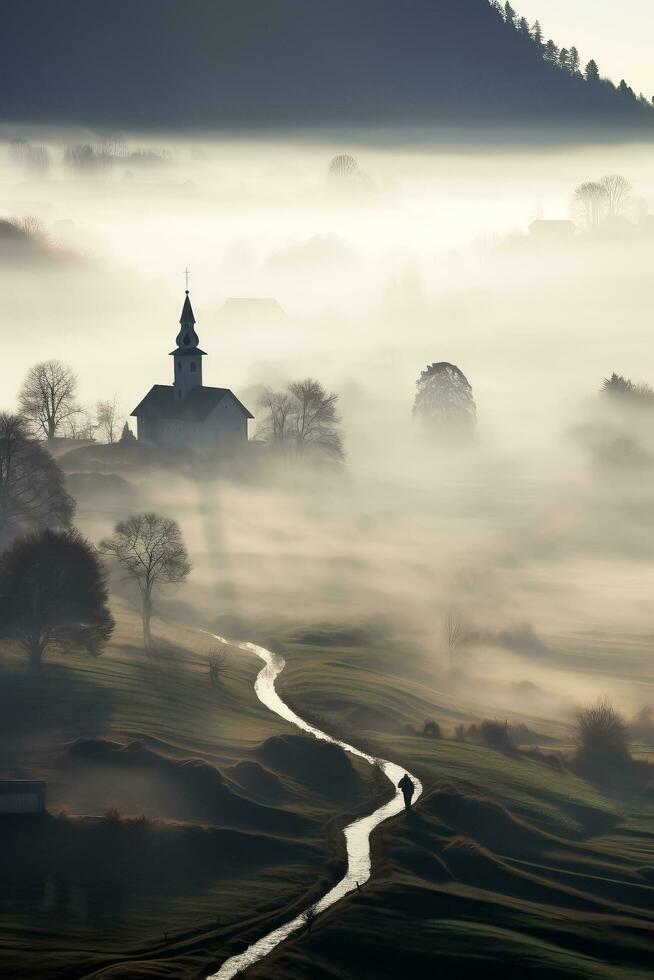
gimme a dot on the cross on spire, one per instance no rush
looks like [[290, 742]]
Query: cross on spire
[[187, 273]]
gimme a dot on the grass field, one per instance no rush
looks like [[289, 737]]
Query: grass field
[[508, 866], [210, 830]]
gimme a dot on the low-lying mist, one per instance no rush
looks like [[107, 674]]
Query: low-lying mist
[[419, 256]]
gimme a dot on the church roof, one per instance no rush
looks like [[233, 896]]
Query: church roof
[[160, 402], [187, 339], [188, 350], [187, 312]]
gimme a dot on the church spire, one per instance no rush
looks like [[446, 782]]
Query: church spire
[[187, 337], [187, 355]]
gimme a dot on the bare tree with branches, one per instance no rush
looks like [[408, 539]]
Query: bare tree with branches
[[456, 632], [303, 421], [274, 427], [590, 203], [47, 398], [108, 416], [151, 550], [617, 189]]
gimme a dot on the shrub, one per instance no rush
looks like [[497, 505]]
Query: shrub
[[602, 737], [432, 728], [497, 735], [641, 727]]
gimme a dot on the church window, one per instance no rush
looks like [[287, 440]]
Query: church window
[[192, 365], [186, 340]]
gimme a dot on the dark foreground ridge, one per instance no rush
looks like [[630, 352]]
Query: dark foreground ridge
[[230, 64]]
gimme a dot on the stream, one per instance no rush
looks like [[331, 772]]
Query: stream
[[357, 834]]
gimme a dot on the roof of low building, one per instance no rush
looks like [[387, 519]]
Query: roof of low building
[[199, 403]]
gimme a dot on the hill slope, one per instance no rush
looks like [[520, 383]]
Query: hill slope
[[231, 63]]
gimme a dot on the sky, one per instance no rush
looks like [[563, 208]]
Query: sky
[[616, 34]]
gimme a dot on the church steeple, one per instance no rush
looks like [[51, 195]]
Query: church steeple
[[187, 336], [187, 355]]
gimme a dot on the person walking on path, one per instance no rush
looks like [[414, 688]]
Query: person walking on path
[[408, 789]]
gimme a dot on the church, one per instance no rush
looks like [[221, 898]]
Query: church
[[187, 415]]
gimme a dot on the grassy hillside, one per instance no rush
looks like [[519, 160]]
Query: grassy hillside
[[508, 864], [178, 816]]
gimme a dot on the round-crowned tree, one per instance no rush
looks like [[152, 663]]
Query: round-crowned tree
[[53, 594], [444, 403], [33, 493], [343, 166]]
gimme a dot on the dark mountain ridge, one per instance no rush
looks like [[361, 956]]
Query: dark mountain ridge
[[276, 63]]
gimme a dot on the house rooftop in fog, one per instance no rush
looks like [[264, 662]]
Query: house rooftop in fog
[[189, 415]]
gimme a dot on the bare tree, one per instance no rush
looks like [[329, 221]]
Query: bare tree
[[108, 415], [47, 398], [315, 421], [590, 203], [151, 550], [32, 488], [616, 188], [456, 632], [275, 423], [82, 424], [31, 226], [302, 420]]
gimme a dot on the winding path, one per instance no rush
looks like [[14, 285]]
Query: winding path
[[357, 834]]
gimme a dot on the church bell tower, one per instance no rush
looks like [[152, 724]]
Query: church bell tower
[[187, 356]]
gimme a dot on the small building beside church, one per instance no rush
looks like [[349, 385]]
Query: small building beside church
[[188, 415]]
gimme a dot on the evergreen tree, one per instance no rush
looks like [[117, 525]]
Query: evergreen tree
[[523, 27], [551, 53], [537, 35], [573, 61], [592, 71], [564, 59], [509, 14]]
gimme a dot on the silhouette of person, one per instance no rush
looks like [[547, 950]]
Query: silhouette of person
[[408, 789]]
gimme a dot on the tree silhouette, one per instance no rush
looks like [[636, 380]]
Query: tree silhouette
[[509, 14], [590, 202], [53, 595], [444, 403], [537, 35], [616, 188], [551, 52], [32, 487], [47, 398], [574, 61], [602, 737], [302, 421], [151, 550], [107, 415], [592, 71]]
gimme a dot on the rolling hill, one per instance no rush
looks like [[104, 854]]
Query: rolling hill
[[229, 64]]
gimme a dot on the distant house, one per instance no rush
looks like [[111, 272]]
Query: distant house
[[188, 415], [21, 796], [552, 231]]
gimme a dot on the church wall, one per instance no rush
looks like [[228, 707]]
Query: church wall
[[225, 428], [228, 420]]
